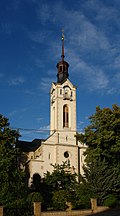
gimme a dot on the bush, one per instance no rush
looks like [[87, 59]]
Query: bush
[[59, 200], [35, 197], [18, 209], [82, 197], [111, 201]]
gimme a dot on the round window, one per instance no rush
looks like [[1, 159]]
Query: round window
[[66, 154]]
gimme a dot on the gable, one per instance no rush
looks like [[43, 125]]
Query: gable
[[67, 83]]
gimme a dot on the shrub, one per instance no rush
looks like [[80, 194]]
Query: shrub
[[59, 200], [18, 209], [35, 197], [111, 201]]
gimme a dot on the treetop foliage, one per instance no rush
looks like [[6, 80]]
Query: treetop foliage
[[102, 169], [8, 136], [102, 136], [61, 177], [12, 178]]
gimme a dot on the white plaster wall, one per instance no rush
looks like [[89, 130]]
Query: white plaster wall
[[83, 148], [73, 158], [49, 155], [61, 139], [56, 108], [42, 164], [66, 137], [54, 154]]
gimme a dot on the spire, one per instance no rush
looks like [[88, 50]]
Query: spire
[[62, 45], [62, 65]]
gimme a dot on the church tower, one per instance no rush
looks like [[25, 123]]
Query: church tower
[[63, 100], [61, 145], [63, 114]]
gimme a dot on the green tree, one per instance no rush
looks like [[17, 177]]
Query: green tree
[[12, 177], [100, 180], [102, 137], [61, 177], [60, 182], [59, 199]]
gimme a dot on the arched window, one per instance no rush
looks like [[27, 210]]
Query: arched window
[[65, 116], [36, 181]]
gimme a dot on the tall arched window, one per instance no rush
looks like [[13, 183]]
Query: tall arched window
[[65, 116]]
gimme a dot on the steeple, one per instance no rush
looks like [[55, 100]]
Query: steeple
[[62, 47], [62, 66]]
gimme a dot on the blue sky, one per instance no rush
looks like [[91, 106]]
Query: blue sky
[[30, 47]]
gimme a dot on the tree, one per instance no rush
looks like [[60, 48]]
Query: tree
[[12, 177], [61, 177], [100, 180], [102, 136], [60, 184], [59, 199]]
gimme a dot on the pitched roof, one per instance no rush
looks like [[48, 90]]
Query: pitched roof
[[26, 146]]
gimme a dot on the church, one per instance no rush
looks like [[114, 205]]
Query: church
[[61, 145]]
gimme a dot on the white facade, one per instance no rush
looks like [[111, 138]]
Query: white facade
[[61, 145], [61, 95]]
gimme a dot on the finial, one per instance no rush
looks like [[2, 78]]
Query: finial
[[62, 35], [62, 45]]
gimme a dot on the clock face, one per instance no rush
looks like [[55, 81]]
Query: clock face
[[66, 89]]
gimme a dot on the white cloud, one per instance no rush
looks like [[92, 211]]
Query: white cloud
[[114, 82], [39, 63], [37, 37], [86, 35], [80, 130], [16, 81], [117, 77], [117, 62], [94, 78], [44, 13], [80, 123], [39, 119], [20, 111], [45, 84], [16, 4], [13, 113], [45, 128], [6, 28], [30, 92], [99, 80], [88, 45], [1, 75], [111, 91]]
